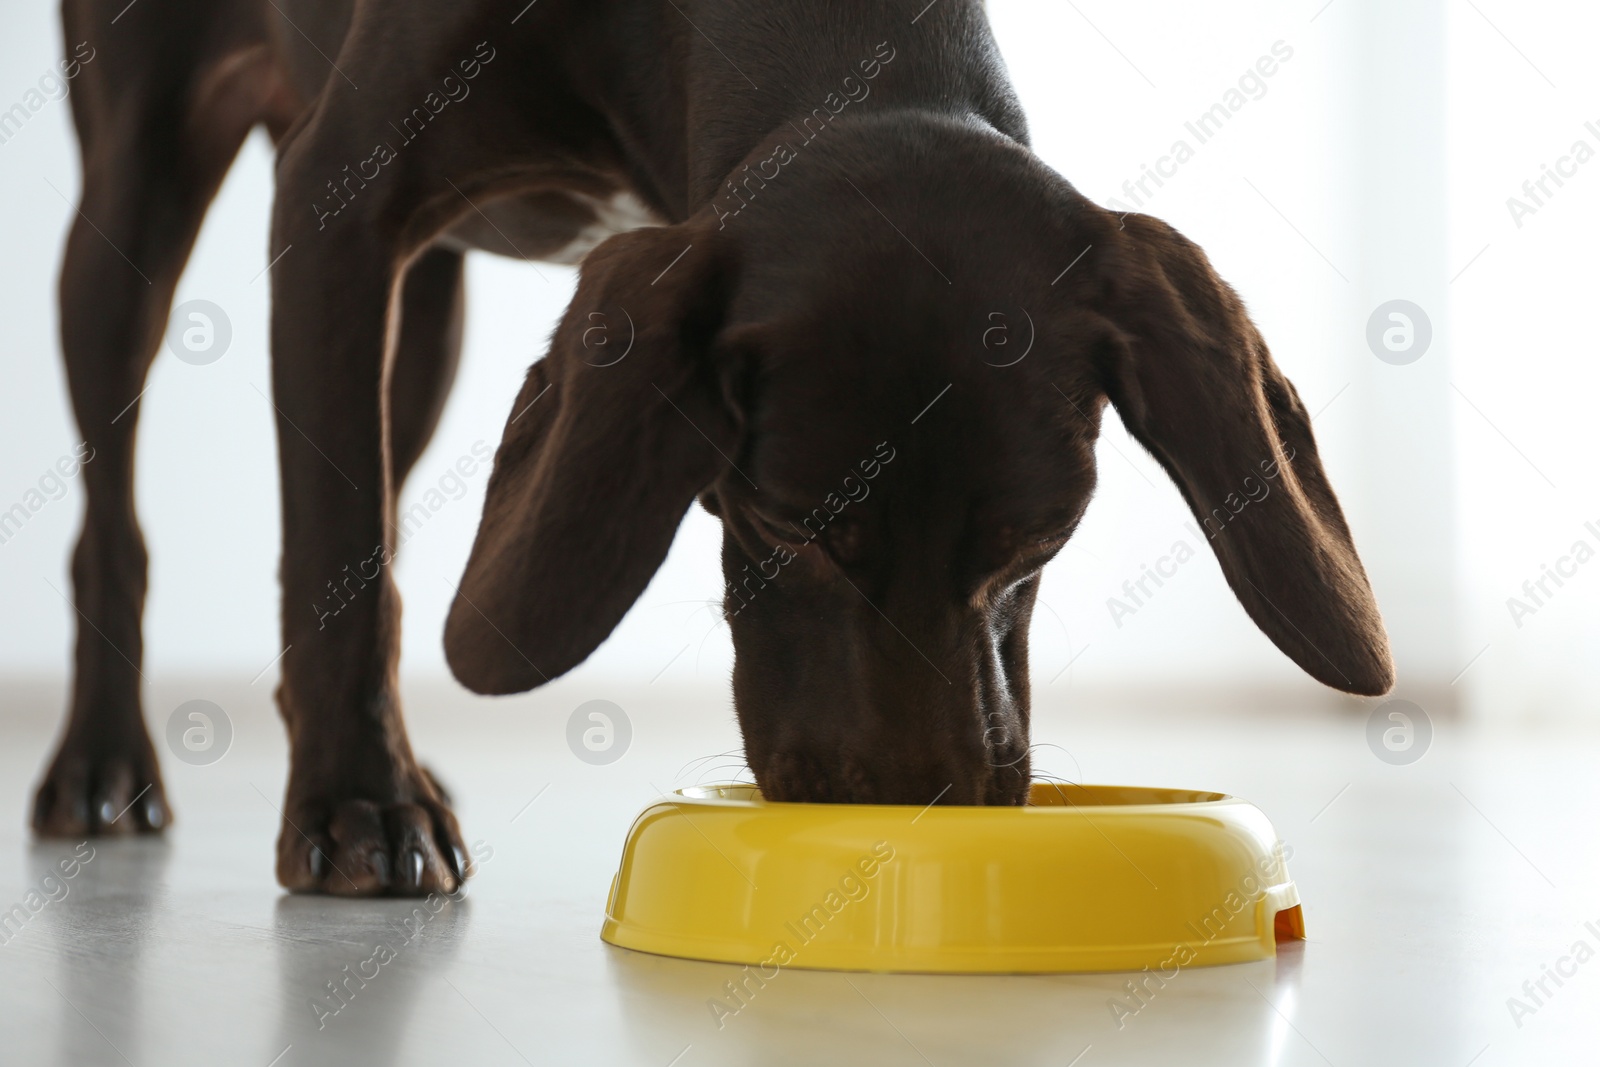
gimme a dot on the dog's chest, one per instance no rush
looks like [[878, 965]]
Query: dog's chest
[[554, 227]]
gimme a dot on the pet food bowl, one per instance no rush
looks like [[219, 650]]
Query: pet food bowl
[[1084, 878]]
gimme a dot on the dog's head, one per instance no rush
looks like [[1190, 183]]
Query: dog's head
[[887, 381]]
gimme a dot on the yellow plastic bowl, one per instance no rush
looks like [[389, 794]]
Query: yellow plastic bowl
[[1085, 878]]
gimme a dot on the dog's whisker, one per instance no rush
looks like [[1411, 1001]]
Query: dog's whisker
[[720, 620], [722, 772], [727, 772], [1046, 744], [700, 760], [721, 768], [1055, 781], [711, 756]]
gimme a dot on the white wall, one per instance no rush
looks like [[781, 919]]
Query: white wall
[[1110, 89], [1288, 201], [1522, 90]]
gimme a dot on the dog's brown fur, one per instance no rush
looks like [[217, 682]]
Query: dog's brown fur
[[783, 334]]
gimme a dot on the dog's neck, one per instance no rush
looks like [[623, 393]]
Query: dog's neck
[[731, 87]]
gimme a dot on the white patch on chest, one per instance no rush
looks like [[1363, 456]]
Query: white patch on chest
[[618, 214]]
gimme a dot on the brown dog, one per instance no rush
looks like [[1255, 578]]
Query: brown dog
[[840, 199]]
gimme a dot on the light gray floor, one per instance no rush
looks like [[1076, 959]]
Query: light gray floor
[[1432, 891]]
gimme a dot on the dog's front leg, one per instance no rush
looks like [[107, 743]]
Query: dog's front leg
[[361, 816]]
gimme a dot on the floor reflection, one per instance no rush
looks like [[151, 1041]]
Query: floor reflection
[[1285, 998], [101, 921], [352, 974], [800, 1016]]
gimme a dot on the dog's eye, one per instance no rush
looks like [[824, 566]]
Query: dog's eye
[[843, 538], [846, 540], [776, 531]]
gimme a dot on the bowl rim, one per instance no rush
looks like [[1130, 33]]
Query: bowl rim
[[746, 796]]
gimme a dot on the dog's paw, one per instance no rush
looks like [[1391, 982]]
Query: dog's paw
[[406, 843], [101, 790]]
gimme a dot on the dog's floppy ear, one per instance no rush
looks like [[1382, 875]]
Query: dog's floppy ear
[[1194, 384], [611, 438]]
